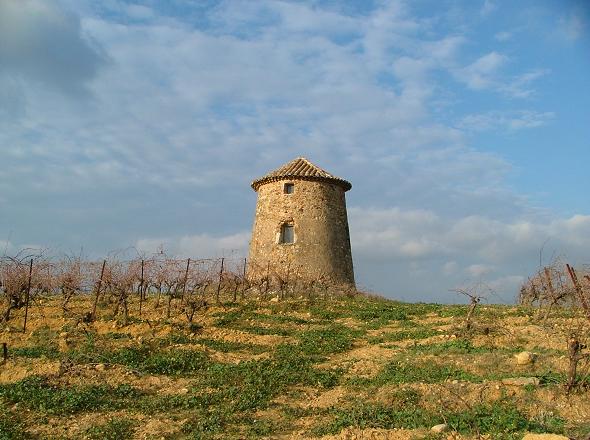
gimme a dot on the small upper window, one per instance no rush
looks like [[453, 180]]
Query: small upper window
[[287, 234], [289, 188]]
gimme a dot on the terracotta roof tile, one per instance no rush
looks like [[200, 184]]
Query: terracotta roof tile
[[300, 168]]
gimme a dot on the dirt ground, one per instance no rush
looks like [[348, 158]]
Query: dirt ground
[[358, 352]]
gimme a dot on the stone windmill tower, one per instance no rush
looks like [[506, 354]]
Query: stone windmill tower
[[301, 227]]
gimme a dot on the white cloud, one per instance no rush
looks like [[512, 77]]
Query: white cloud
[[139, 12], [488, 7], [520, 86], [188, 110], [529, 119], [450, 268], [5, 247], [479, 270], [505, 289], [486, 73], [392, 233], [42, 42], [514, 120], [481, 74], [197, 246], [572, 26], [506, 251], [10, 249], [503, 36], [229, 100]]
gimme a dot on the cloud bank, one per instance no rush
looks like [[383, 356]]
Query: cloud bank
[[140, 124]]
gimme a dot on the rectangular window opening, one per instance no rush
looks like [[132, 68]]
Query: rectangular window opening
[[287, 234], [289, 188]]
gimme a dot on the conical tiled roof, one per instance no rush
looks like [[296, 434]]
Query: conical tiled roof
[[302, 169]]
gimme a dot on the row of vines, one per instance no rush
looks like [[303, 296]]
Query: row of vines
[[178, 286], [557, 285], [553, 289]]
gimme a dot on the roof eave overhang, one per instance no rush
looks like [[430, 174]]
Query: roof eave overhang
[[344, 184]]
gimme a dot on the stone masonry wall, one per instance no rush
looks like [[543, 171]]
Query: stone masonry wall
[[321, 249]]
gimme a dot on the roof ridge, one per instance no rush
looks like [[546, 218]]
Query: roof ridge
[[300, 167]]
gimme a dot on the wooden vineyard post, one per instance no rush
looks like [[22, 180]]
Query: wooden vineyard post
[[267, 279], [554, 298], [574, 349], [244, 278], [287, 281], [4, 352], [219, 283], [579, 290], [141, 289], [28, 294], [188, 262], [549, 282], [236, 287], [104, 263]]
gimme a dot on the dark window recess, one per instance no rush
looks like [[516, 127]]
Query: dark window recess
[[289, 188], [287, 234]]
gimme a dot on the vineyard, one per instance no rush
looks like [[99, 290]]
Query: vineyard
[[557, 285], [162, 348], [180, 287]]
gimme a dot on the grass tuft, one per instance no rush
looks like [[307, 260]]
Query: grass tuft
[[12, 426], [335, 338], [501, 417], [114, 429], [401, 372], [37, 393]]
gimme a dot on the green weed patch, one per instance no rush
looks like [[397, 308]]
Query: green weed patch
[[12, 427], [252, 384], [377, 312], [457, 346], [401, 372], [403, 335], [114, 429], [362, 414], [146, 359], [229, 346], [36, 352], [170, 362], [37, 393], [244, 319], [335, 338], [498, 418]]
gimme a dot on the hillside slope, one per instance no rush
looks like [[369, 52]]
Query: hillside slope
[[348, 367]]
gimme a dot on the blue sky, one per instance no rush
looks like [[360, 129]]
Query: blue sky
[[462, 125]]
